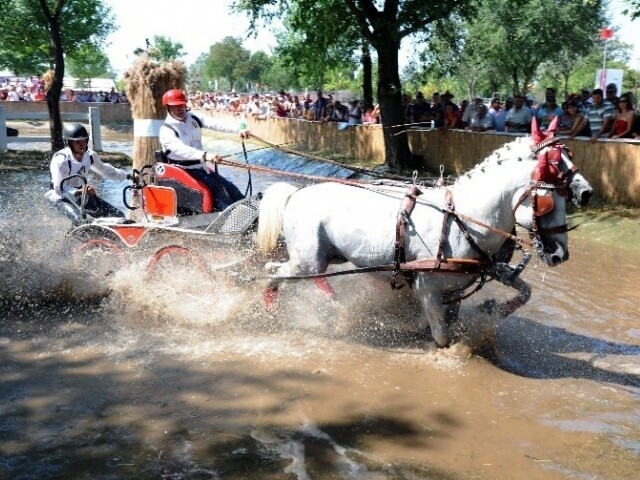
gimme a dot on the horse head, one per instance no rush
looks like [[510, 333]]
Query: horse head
[[541, 206], [560, 158]]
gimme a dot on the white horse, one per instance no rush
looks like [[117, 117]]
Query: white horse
[[330, 220]]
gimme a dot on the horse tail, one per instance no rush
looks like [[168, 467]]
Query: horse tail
[[272, 207]]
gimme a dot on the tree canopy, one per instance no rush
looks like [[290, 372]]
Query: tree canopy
[[162, 49], [383, 25], [37, 34], [27, 47], [228, 59]]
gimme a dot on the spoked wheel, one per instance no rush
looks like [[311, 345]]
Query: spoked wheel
[[95, 260], [172, 260]]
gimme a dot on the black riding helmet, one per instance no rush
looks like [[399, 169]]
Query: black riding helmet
[[74, 131]]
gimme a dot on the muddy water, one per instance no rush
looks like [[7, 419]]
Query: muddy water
[[190, 379]]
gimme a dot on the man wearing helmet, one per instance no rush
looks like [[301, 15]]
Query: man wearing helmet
[[181, 140], [77, 159]]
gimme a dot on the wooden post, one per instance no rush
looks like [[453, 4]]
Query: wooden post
[[94, 127], [3, 129], [146, 83]]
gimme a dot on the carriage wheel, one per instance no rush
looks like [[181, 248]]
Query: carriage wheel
[[95, 260], [167, 261]]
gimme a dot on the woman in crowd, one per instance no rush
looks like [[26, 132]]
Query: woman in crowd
[[368, 118], [452, 117], [572, 122], [623, 118]]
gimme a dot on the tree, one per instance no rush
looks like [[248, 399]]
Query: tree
[[383, 24], [88, 62], [633, 10], [37, 34], [228, 59], [516, 45], [163, 49]]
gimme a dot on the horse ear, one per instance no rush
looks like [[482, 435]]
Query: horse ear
[[536, 134]]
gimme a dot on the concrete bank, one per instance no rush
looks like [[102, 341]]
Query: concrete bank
[[611, 166]]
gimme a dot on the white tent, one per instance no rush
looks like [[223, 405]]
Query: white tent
[[89, 85]]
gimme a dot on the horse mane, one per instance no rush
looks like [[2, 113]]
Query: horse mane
[[517, 150]]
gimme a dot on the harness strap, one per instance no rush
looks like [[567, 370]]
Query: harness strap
[[462, 266], [470, 239], [444, 231], [399, 256]]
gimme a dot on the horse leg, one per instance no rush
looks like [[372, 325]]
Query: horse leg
[[434, 313], [270, 296], [325, 287], [451, 317]]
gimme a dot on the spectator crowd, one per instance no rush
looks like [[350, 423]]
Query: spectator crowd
[[591, 114], [32, 89]]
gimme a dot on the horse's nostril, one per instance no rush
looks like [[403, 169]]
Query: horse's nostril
[[585, 197]]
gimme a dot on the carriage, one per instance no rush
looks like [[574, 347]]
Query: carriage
[[441, 240], [175, 225]]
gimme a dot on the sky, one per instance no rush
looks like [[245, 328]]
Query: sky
[[198, 24]]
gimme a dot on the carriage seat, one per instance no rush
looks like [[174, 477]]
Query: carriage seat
[[194, 197]]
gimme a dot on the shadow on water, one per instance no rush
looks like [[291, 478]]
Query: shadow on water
[[87, 415], [534, 350]]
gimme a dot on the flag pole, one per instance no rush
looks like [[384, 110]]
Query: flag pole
[[603, 77]]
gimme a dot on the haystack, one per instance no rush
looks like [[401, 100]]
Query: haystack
[[146, 82]]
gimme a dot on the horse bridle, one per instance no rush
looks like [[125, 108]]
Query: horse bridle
[[544, 204]]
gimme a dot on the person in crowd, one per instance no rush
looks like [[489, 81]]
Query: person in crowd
[[470, 111], [437, 110], [376, 113], [548, 111], [530, 102], [406, 107], [481, 120], [452, 117], [340, 112], [624, 118], [501, 116], [446, 98], [572, 122], [463, 106], [518, 119], [611, 94], [113, 96], [320, 107], [295, 109], [13, 96], [279, 109], [585, 101], [599, 114], [77, 159], [494, 107], [368, 118], [367, 115], [181, 140], [354, 115], [420, 110]]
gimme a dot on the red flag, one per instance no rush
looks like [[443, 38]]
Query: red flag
[[606, 33]]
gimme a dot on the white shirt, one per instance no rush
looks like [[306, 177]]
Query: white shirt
[[64, 164]]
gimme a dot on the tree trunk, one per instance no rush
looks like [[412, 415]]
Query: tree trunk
[[53, 94], [367, 76], [390, 97], [514, 77]]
